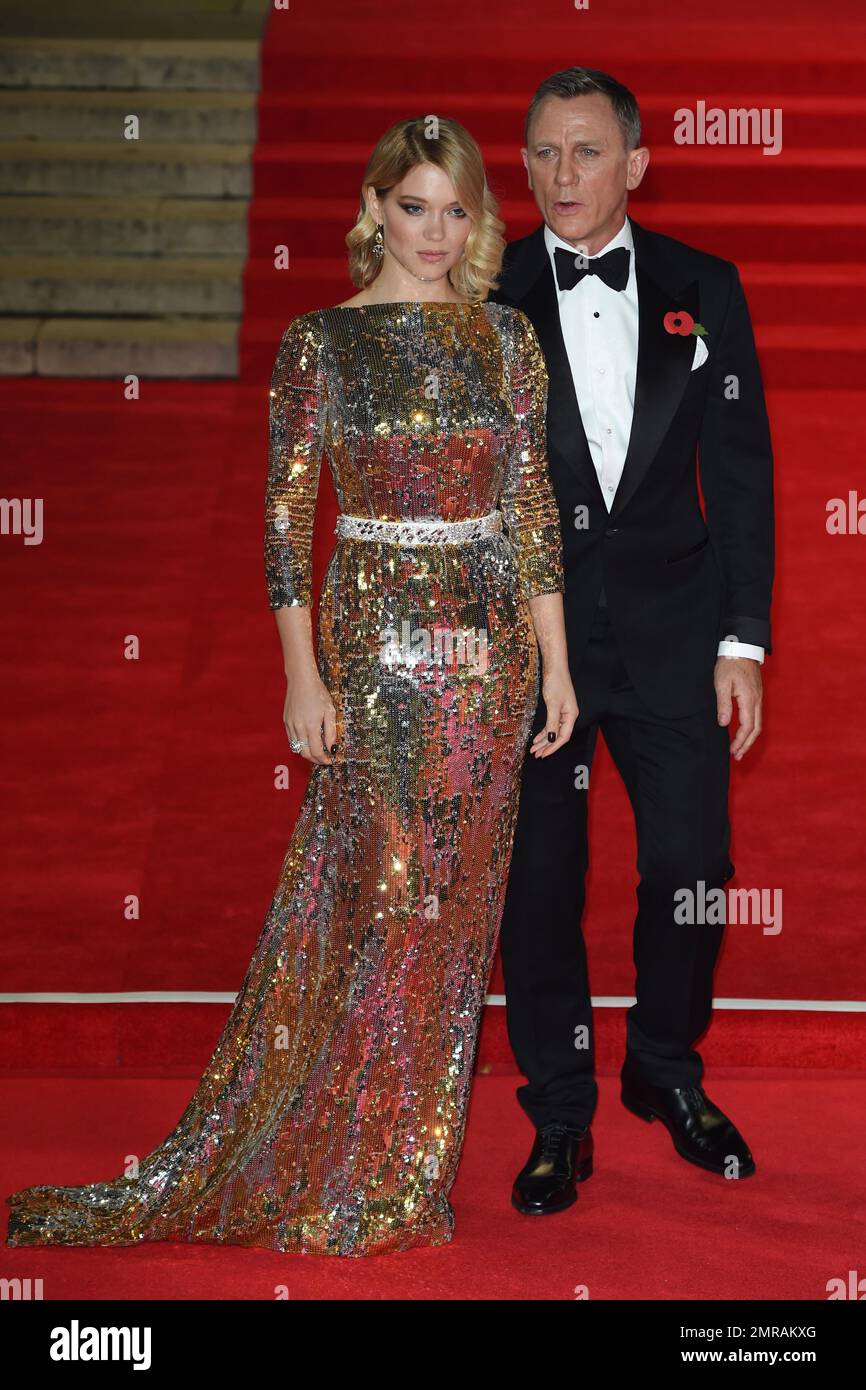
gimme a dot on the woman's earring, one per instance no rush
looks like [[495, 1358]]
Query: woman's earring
[[378, 241]]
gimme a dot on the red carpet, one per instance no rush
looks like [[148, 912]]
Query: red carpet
[[153, 777], [646, 1224]]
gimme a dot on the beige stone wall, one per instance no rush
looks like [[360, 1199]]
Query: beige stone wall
[[122, 254]]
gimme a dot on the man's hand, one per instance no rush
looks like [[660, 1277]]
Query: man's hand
[[739, 678]]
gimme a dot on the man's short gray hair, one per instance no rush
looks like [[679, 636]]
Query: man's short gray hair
[[579, 82]]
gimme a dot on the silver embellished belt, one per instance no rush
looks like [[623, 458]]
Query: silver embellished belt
[[430, 531]]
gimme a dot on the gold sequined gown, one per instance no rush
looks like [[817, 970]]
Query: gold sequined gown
[[331, 1115]]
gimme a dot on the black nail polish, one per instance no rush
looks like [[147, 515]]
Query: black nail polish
[[333, 747], [551, 737]]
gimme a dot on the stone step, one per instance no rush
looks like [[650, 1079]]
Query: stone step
[[92, 347], [103, 286], [166, 117], [221, 65], [230, 116], [131, 18], [124, 226], [113, 167]]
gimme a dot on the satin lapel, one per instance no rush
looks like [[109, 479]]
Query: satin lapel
[[565, 430], [664, 361]]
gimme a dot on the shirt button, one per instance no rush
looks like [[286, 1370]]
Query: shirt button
[[600, 371], [595, 314]]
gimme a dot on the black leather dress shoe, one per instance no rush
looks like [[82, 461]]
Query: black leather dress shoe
[[700, 1131], [561, 1157]]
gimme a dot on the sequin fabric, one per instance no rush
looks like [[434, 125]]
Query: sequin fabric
[[331, 1115]]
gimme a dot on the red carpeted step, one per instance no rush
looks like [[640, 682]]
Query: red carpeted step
[[734, 174], [314, 228], [496, 116], [793, 294]]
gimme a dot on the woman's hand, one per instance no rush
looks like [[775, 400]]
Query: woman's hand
[[309, 716], [562, 711], [548, 619]]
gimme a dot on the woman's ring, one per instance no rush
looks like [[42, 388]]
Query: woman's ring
[[296, 744]]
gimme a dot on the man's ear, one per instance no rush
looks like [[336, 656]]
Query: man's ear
[[637, 165]]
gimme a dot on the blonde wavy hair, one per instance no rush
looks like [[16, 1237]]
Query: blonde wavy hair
[[447, 144]]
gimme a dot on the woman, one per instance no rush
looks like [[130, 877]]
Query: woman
[[330, 1118]]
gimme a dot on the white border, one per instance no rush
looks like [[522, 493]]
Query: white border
[[604, 1001]]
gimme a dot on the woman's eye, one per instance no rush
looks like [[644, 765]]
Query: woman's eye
[[416, 207]]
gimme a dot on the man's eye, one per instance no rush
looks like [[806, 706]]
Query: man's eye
[[588, 150]]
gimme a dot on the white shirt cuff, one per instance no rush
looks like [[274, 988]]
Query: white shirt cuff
[[731, 647]]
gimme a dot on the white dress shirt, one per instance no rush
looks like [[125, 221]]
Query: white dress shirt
[[600, 332]]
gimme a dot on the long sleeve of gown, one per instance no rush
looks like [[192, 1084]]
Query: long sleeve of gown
[[296, 438], [527, 499]]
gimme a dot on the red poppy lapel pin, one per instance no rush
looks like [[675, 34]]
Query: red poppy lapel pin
[[680, 321]]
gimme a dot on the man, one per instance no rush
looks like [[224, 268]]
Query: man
[[653, 379]]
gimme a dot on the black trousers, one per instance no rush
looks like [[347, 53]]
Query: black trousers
[[676, 774]]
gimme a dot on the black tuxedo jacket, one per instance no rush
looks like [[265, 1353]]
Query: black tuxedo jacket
[[676, 578]]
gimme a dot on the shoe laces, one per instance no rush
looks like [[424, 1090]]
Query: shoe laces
[[552, 1134], [694, 1093]]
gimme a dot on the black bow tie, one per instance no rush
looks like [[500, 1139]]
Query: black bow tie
[[612, 268]]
